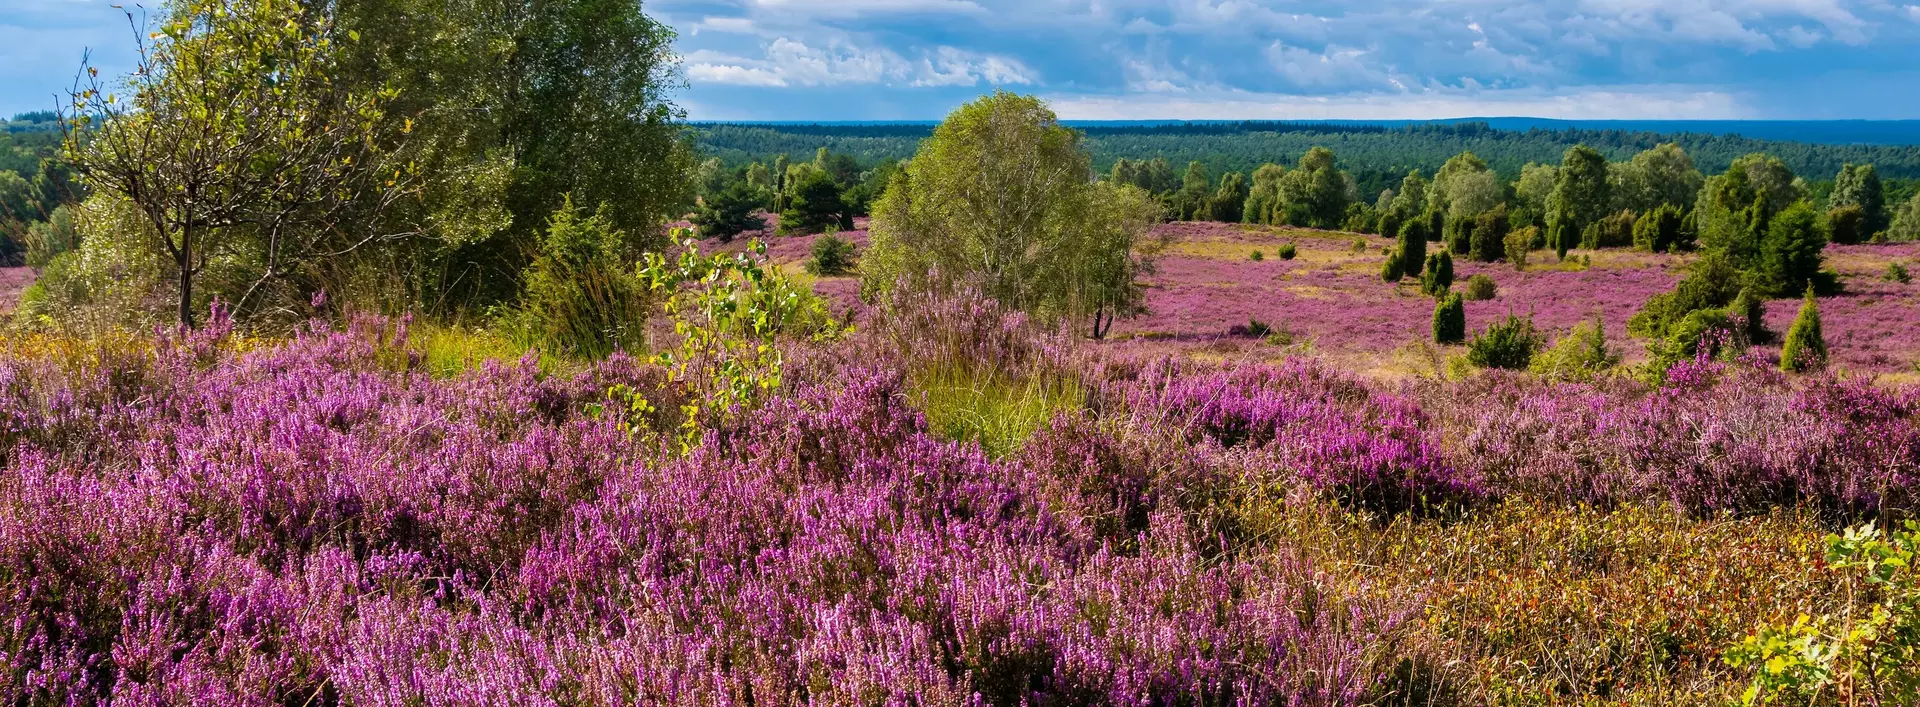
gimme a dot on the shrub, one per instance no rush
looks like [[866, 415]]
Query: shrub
[[581, 298], [1449, 319], [1872, 655], [1359, 245], [1711, 282], [1257, 256], [1253, 329], [1846, 224], [1459, 234], [1897, 272], [1480, 287], [1790, 254], [1438, 275], [1704, 334], [1806, 347], [831, 255], [48, 239], [1751, 309], [1413, 250], [813, 206], [1658, 230], [730, 212], [1611, 232], [1489, 236], [1509, 344], [1393, 268], [1581, 354], [1286, 251], [1519, 242]]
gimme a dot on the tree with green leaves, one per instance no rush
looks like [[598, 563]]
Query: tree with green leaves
[[1263, 195], [1661, 176], [1413, 247], [1447, 183], [1437, 277], [1790, 256], [1228, 201], [1658, 231], [1315, 192], [1735, 206], [1859, 186], [1535, 186], [240, 145], [999, 198], [814, 204], [731, 212], [1581, 195], [1489, 238], [1806, 347], [1847, 225], [1906, 221]]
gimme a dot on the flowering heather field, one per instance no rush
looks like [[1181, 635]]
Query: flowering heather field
[[1331, 298], [216, 520]]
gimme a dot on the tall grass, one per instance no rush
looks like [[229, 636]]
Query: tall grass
[[991, 407]]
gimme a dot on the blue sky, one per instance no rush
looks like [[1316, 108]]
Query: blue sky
[[1164, 59]]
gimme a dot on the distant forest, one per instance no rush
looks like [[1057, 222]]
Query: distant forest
[[1377, 155]]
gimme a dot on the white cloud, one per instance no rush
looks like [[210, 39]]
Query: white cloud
[[850, 8], [734, 75], [731, 25], [1625, 103], [1913, 11]]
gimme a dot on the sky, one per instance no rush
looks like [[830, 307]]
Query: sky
[[1212, 59]]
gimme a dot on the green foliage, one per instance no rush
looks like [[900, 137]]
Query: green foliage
[[730, 212], [1858, 186], [1703, 333], [1582, 354], [1806, 347], [1581, 194], [581, 300], [1287, 251], [1449, 319], [1658, 230], [1459, 234], [1751, 310], [1661, 176], [1711, 282], [729, 311], [1509, 344], [1869, 656], [1413, 250], [1316, 192], [1257, 256], [831, 255], [814, 205], [1790, 257], [1480, 287], [997, 411], [1228, 202], [1489, 237], [1518, 243], [1037, 237], [1736, 206], [1437, 277], [48, 239], [1846, 225], [241, 138], [1906, 221], [1612, 231], [1897, 272], [1394, 267]]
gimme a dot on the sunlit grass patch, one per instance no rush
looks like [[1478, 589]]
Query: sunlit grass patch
[[449, 350], [994, 409]]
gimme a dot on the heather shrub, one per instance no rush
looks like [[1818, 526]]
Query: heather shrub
[[1287, 251], [1509, 344], [1579, 355], [830, 255], [1805, 347], [1480, 287], [1449, 319]]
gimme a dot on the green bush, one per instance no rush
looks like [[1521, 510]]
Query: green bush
[[1806, 346], [1713, 281], [1897, 272], [1413, 250], [1790, 253], [1449, 319], [1287, 251], [1847, 225], [581, 297], [1751, 308], [1393, 268], [1480, 287], [1614, 231], [1709, 328], [831, 256], [1870, 654], [1658, 230], [1489, 237], [1257, 256], [1438, 275], [1580, 355], [1509, 344], [730, 213], [1519, 242]]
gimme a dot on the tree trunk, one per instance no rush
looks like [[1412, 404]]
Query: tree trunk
[[184, 259]]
